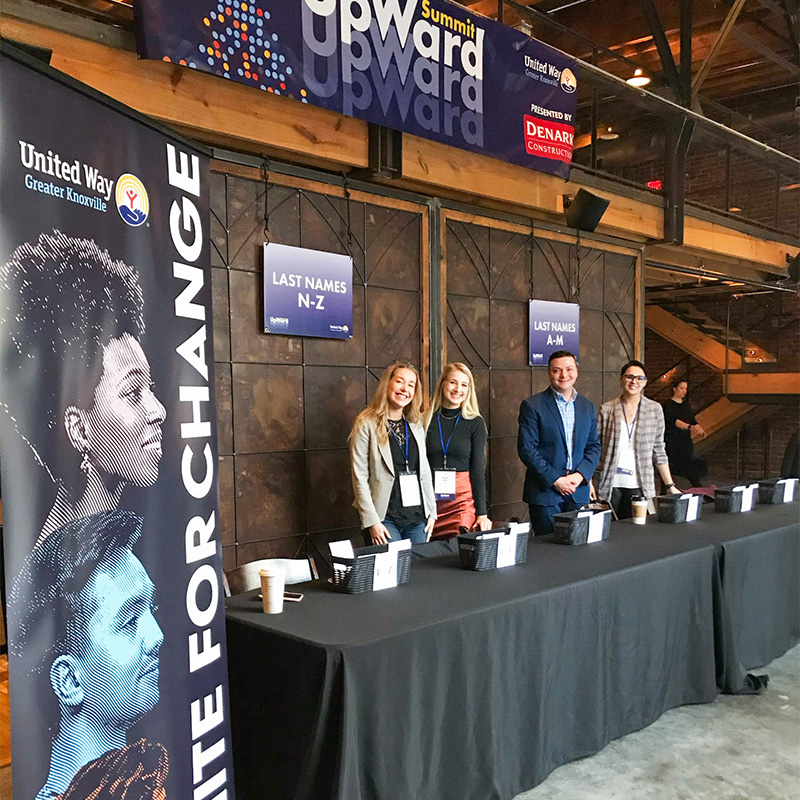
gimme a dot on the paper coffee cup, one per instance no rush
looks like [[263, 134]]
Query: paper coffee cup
[[273, 581], [639, 510]]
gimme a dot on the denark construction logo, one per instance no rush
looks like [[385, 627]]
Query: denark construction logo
[[132, 201], [548, 139]]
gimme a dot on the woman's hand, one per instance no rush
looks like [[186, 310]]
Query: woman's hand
[[674, 490], [592, 491], [380, 534], [697, 430], [482, 523], [429, 528]]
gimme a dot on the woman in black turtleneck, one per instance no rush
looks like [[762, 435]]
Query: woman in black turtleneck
[[456, 444]]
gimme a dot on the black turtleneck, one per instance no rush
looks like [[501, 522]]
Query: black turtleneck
[[466, 451]]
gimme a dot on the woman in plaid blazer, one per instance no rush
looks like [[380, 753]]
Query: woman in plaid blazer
[[631, 429]]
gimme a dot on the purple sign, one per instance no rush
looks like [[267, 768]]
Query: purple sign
[[307, 292], [427, 67], [552, 326]]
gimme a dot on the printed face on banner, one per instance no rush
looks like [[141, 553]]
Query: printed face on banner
[[428, 67], [124, 425], [118, 645]]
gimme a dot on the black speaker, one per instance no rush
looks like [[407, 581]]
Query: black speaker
[[794, 268], [585, 210]]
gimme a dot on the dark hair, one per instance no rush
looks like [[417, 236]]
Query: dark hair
[[134, 772], [62, 300], [562, 354], [679, 381], [633, 363], [46, 610]]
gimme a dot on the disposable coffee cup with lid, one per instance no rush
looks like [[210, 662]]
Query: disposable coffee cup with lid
[[639, 509]]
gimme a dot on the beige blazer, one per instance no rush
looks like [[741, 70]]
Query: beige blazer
[[648, 446], [372, 470]]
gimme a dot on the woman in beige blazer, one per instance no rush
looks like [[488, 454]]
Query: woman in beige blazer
[[391, 477]]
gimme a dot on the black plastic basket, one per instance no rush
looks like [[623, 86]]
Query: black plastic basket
[[354, 575], [672, 507], [771, 492], [481, 554], [569, 528], [727, 500]]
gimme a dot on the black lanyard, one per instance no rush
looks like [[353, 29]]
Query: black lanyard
[[398, 441], [445, 447]]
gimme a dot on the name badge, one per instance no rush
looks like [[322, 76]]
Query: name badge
[[409, 490], [623, 471], [444, 484]]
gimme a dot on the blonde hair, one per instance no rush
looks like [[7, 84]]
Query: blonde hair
[[377, 411], [469, 408]]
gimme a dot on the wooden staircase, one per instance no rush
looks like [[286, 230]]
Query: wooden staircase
[[723, 417], [700, 336], [708, 341]]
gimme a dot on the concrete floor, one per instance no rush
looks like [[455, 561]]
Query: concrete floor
[[738, 748]]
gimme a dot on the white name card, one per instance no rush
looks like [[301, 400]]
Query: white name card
[[748, 495], [789, 485], [693, 512], [507, 550]]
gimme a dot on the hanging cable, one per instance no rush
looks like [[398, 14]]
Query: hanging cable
[[532, 250], [349, 243], [265, 170]]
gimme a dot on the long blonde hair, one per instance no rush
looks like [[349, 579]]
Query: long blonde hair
[[377, 411], [469, 408]]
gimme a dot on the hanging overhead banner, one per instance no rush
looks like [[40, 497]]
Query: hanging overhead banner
[[427, 67], [116, 633]]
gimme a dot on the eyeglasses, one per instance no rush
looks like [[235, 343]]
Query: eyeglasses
[[639, 378]]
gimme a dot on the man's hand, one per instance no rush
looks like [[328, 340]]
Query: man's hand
[[567, 484]]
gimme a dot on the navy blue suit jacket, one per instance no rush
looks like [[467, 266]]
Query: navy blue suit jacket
[[542, 446]]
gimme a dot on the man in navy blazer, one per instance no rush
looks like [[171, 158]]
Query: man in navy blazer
[[558, 443]]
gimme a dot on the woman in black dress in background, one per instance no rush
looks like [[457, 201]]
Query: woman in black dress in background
[[681, 424]]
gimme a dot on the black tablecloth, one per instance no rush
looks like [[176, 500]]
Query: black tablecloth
[[759, 556], [463, 685]]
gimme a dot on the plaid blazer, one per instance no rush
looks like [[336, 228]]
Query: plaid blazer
[[648, 445]]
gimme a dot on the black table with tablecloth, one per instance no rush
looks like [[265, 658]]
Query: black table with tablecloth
[[474, 686]]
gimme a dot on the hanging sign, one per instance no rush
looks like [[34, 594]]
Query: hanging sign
[[116, 628], [307, 292], [427, 67], [552, 326]]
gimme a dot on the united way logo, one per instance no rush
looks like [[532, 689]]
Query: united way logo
[[132, 202], [568, 81]]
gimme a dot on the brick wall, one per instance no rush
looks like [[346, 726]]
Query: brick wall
[[754, 187]]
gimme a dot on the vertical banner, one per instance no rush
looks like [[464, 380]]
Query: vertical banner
[[552, 326], [117, 659], [432, 68]]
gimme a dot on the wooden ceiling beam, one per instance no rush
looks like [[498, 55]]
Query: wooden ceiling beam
[[727, 25], [767, 52]]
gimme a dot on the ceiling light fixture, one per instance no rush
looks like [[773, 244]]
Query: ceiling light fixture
[[638, 79], [609, 134]]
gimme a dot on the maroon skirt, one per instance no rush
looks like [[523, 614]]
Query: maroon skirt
[[452, 514]]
